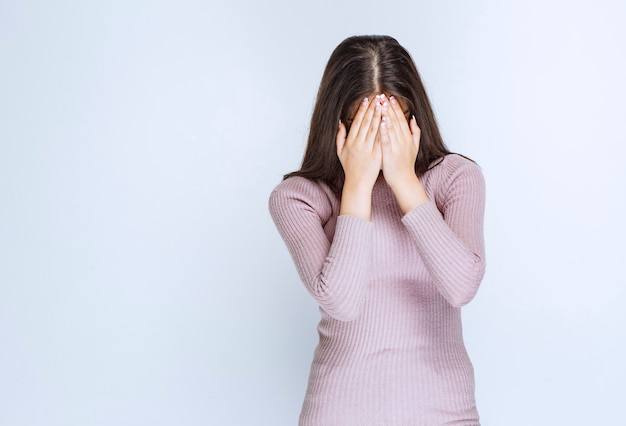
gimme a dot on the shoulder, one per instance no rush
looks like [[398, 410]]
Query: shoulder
[[300, 188], [454, 164], [453, 175], [301, 194], [451, 167]]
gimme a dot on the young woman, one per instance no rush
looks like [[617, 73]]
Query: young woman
[[385, 227]]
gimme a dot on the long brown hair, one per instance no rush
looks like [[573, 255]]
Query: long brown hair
[[358, 67]]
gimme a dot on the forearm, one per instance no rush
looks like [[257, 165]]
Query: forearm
[[335, 271], [449, 233], [455, 266], [339, 282]]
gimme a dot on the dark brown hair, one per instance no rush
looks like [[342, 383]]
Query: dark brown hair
[[361, 66]]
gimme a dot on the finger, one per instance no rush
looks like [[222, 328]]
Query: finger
[[378, 148], [384, 133], [374, 127], [416, 132], [399, 118], [358, 118], [340, 137], [388, 112], [368, 117], [392, 123]]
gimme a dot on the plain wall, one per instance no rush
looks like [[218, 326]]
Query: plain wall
[[141, 278]]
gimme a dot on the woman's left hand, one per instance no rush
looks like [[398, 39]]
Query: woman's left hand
[[400, 142]]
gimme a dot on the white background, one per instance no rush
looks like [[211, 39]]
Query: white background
[[142, 281]]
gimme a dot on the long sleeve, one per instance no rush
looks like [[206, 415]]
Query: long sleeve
[[451, 241], [399, 280], [335, 273]]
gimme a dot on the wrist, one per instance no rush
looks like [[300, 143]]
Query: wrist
[[400, 180], [358, 186], [408, 191]]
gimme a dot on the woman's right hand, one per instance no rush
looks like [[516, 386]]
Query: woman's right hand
[[360, 154]]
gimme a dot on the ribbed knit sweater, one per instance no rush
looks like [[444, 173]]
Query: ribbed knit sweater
[[390, 290]]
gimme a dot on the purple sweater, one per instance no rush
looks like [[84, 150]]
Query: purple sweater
[[390, 348]]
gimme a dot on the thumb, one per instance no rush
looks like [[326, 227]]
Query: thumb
[[415, 130]]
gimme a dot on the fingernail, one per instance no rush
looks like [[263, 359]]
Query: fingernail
[[393, 100], [365, 101]]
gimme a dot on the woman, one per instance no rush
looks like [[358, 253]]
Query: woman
[[385, 227]]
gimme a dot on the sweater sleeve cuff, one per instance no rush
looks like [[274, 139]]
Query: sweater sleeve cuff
[[352, 230], [424, 216]]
